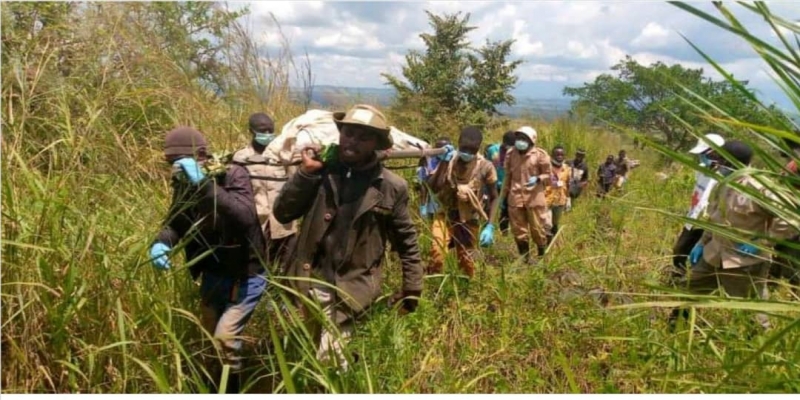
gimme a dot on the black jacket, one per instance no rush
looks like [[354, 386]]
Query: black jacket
[[227, 239]]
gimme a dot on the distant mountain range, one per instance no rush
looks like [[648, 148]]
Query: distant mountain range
[[331, 96]]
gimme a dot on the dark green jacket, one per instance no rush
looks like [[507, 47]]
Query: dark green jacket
[[381, 217]]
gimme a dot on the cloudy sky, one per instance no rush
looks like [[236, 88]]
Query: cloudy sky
[[561, 43]]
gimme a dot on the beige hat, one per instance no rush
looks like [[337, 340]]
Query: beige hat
[[369, 117], [529, 132]]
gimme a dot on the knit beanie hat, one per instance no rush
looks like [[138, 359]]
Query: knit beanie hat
[[184, 141]]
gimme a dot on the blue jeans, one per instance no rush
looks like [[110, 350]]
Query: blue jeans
[[226, 307]]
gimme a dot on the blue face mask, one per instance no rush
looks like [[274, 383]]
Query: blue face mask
[[521, 145], [705, 160], [264, 138], [724, 171], [466, 157]]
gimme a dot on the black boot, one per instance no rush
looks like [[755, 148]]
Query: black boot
[[524, 250], [234, 383]]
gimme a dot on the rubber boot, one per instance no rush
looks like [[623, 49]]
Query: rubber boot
[[540, 254], [524, 250], [234, 383]]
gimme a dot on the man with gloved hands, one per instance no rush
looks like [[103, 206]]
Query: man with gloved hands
[[528, 172], [216, 219], [459, 182], [350, 206], [738, 267]]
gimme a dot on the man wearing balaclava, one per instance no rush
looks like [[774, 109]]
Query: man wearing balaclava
[[267, 177], [213, 220]]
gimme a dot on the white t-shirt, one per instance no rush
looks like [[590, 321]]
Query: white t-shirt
[[702, 191]]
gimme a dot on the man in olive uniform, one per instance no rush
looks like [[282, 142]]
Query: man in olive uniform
[[528, 172], [739, 267], [459, 182], [267, 177], [557, 192], [351, 206]]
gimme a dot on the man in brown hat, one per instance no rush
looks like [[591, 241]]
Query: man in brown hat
[[216, 219], [351, 206], [267, 176]]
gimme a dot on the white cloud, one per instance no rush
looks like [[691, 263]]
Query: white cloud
[[572, 42], [349, 37], [523, 46], [652, 36], [577, 49]]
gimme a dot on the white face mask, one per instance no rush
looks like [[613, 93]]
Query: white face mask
[[521, 145]]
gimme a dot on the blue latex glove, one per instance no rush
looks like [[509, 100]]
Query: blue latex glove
[[696, 253], [487, 235], [448, 155], [532, 181], [192, 169], [158, 255], [423, 210], [747, 248]]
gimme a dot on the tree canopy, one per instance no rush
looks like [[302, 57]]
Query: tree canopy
[[649, 99]]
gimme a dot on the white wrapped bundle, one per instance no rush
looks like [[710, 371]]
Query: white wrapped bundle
[[315, 126], [318, 127]]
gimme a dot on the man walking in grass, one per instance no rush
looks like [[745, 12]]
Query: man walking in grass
[[580, 174], [496, 153], [623, 167], [458, 184], [528, 172], [351, 206], [787, 262], [703, 186], [606, 175], [267, 177], [557, 192], [428, 204], [215, 218], [739, 267]]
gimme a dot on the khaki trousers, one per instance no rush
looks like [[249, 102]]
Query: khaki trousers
[[333, 337], [528, 222], [464, 237]]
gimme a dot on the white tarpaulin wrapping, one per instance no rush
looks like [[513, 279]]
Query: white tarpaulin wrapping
[[318, 127]]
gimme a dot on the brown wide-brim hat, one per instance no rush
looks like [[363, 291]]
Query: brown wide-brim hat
[[368, 117]]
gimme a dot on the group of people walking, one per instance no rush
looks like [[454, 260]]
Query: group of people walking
[[326, 225]]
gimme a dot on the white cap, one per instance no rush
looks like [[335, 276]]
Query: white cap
[[702, 145], [529, 132]]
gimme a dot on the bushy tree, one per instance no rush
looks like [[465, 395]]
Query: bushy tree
[[451, 81]]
